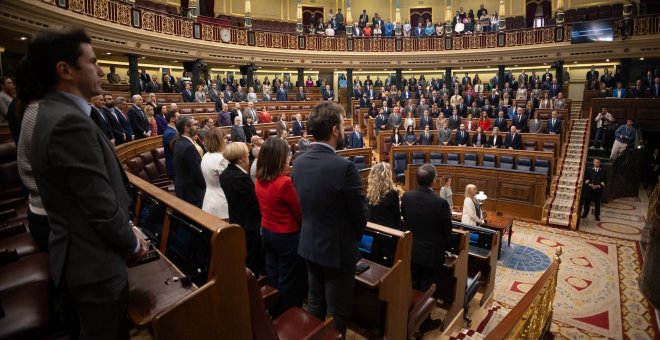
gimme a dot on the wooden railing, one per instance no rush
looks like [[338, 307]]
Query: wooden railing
[[532, 316], [145, 19]]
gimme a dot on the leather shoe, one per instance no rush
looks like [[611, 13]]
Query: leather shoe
[[429, 325], [597, 218], [583, 216]]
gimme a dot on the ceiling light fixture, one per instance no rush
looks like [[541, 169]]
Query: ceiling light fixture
[[108, 53], [608, 60], [22, 38]]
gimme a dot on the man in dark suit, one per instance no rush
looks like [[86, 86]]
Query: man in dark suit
[[426, 137], [364, 101], [327, 93], [100, 119], [356, 138], [594, 181], [168, 137], [82, 186], [655, 88], [638, 90], [298, 125], [334, 213], [138, 119], [301, 96], [500, 121], [188, 95], [519, 120], [553, 125], [554, 89], [107, 110], [237, 131], [592, 74], [429, 218], [426, 120], [381, 122], [462, 137], [119, 111], [282, 94], [513, 139], [189, 184], [454, 121]]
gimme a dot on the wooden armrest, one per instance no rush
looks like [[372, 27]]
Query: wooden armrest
[[479, 253], [8, 255], [11, 203], [11, 230], [7, 214], [269, 295], [450, 261], [326, 330]]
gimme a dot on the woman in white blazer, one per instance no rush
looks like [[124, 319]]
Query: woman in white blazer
[[472, 214]]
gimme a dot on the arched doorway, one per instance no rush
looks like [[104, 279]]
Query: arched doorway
[[538, 12], [420, 13], [312, 13]]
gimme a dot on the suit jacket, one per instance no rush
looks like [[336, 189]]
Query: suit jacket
[[426, 121], [444, 136], [115, 126], [591, 76], [462, 137], [241, 198], [429, 218], [86, 193], [238, 96], [281, 95], [298, 127], [138, 120], [454, 123], [553, 128], [238, 134], [102, 122], [655, 91], [301, 96], [535, 126], [251, 113], [513, 142], [189, 184], [484, 139], [334, 208], [424, 140], [188, 96], [355, 141], [495, 141], [125, 124], [595, 178], [637, 93], [327, 95], [520, 122], [153, 87], [553, 90], [168, 137], [380, 121]]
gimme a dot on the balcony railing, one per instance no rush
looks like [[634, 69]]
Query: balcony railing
[[141, 18]]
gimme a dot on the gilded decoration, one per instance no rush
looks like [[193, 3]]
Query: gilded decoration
[[457, 43], [389, 45], [124, 15], [77, 5], [548, 35], [293, 42], [207, 32], [358, 45], [376, 44], [260, 38], [511, 39], [341, 44], [101, 9], [475, 41], [311, 43], [277, 40], [168, 25], [241, 37], [148, 19], [326, 43], [491, 40], [423, 44], [641, 26], [529, 37], [407, 45], [186, 29]]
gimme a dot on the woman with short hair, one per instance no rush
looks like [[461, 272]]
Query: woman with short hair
[[200, 95], [383, 197], [242, 203], [213, 164], [153, 125], [281, 220], [472, 214]]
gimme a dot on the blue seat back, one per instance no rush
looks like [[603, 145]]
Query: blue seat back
[[506, 162], [360, 163], [542, 166], [436, 158], [400, 164], [489, 161], [452, 158], [470, 159], [418, 158], [524, 164]]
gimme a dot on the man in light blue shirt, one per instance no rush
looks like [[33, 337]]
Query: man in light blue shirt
[[624, 135]]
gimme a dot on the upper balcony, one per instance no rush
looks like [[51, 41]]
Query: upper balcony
[[126, 28]]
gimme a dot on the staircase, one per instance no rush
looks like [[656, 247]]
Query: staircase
[[563, 193]]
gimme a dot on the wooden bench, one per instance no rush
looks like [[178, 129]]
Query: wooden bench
[[511, 192], [453, 280]]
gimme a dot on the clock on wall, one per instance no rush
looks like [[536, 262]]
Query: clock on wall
[[225, 35]]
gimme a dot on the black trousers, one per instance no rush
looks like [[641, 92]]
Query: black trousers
[[101, 308], [591, 195], [255, 255], [285, 269], [39, 229], [423, 277], [331, 292]]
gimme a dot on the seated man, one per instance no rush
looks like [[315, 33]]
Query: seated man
[[624, 136], [513, 139]]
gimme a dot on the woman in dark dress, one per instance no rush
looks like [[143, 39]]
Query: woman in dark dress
[[383, 197]]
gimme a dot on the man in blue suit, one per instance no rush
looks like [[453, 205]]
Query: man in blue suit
[[168, 136], [619, 91], [188, 95], [381, 122], [119, 111], [189, 184], [520, 120], [553, 126], [355, 140], [282, 94], [334, 213], [513, 140]]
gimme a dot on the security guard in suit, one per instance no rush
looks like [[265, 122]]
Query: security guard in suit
[[592, 190]]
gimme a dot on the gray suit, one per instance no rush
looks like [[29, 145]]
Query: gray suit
[[444, 135], [535, 126], [237, 134], [85, 191]]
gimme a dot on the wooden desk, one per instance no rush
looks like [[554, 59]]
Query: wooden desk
[[372, 276], [502, 224], [148, 295]]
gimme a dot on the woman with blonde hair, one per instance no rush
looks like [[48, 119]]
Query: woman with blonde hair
[[213, 164], [383, 197], [153, 125], [472, 214]]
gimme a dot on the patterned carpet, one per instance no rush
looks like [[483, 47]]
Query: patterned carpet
[[597, 294], [623, 218]]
